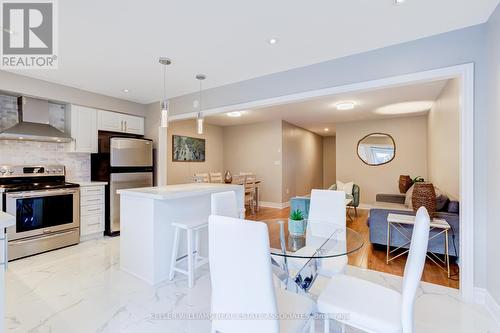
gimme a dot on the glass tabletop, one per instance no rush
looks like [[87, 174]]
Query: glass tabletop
[[321, 240]]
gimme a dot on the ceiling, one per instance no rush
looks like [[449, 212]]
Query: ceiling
[[108, 46], [318, 114]]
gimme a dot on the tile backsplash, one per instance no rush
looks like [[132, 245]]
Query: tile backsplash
[[14, 152]]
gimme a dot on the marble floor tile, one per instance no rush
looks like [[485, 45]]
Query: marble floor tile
[[81, 289]]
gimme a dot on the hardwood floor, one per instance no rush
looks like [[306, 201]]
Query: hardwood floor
[[369, 256]]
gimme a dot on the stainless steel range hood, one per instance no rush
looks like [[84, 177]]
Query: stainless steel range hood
[[34, 123]]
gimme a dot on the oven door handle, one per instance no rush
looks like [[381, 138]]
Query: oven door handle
[[46, 193], [45, 236]]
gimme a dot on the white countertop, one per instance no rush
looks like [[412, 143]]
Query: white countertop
[[90, 183], [6, 220], [178, 191]]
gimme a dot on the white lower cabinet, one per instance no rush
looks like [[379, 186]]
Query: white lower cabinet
[[91, 211]]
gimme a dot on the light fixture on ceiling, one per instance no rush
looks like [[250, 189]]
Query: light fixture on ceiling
[[164, 103], [125, 90], [342, 106], [326, 129], [199, 115], [272, 41], [405, 108], [234, 114], [399, 2]]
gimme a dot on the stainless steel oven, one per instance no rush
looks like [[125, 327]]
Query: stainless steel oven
[[46, 208], [43, 212]]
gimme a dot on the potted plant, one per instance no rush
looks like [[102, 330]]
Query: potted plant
[[297, 223]]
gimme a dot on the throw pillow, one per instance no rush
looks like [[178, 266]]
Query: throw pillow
[[346, 187], [408, 197], [453, 207]]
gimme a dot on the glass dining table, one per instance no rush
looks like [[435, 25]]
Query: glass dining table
[[297, 260]]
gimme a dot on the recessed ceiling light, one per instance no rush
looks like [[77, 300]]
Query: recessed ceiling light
[[125, 90], [20, 138], [398, 2], [234, 114], [326, 129], [405, 107], [342, 106], [272, 41]]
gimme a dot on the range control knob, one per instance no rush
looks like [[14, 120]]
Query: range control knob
[[3, 171], [11, 171], [59, 170]]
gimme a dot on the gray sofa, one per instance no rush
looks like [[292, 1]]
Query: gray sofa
[[377, 223]]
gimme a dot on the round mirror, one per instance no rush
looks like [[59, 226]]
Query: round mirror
[[376, 149]]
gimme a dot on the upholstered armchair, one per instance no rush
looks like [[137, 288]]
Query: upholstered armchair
[[354, 195]]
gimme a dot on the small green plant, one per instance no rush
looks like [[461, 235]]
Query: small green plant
[[297, 215], [418, 179]]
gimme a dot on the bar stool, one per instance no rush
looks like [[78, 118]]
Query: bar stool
[[194, 260]]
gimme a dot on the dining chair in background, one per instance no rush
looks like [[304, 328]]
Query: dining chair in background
[[225, 204], [392, 312], [201, 178], [216, 177], [250, 183], [245, 288]]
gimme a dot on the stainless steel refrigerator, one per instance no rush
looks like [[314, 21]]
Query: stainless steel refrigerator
[[124, 162]]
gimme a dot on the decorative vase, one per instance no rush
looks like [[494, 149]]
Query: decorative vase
[[424, 194], [405, 182], [297, 228], [228, 178]]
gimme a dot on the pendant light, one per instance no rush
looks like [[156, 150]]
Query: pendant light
[[199, 117], [164, 103]]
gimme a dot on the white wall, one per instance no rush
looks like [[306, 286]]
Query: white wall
[[492, 160], [182, 172], [256, 148], [410, 136], [443, 129], [329, 161], [302, 161]]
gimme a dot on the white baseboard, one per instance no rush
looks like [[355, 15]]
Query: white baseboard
[[482, 296], [269, 204]]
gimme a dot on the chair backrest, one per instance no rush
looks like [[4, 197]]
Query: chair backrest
[[328, 206], [216, 177], [201, 177], [241, 275], [246, 173], [225, 204], [250, 181], [414, 267]]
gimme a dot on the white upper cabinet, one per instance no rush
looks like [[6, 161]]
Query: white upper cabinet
[[119, 122], [83, 128]]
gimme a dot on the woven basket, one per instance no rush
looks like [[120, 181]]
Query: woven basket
[[405, 182], [424, 195]]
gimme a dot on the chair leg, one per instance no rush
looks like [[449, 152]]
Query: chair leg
[[327, 325], [312, 326], [356, 211], [175, 249], [190, 268]]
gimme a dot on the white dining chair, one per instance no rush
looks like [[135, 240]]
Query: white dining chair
[[390, 311], [226, 204], [327, 212], [242, 283]]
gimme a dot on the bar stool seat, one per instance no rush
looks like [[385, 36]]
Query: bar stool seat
[[194, 260]]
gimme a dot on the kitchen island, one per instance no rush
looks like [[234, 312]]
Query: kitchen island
[[146, 215]]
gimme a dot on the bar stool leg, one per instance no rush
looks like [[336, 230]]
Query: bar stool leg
[[175, 249], [190, 268]]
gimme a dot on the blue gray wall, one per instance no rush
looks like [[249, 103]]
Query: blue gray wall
[[453, 48]]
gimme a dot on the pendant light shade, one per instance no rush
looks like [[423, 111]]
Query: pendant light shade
[[164, 103], [199, 117]]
